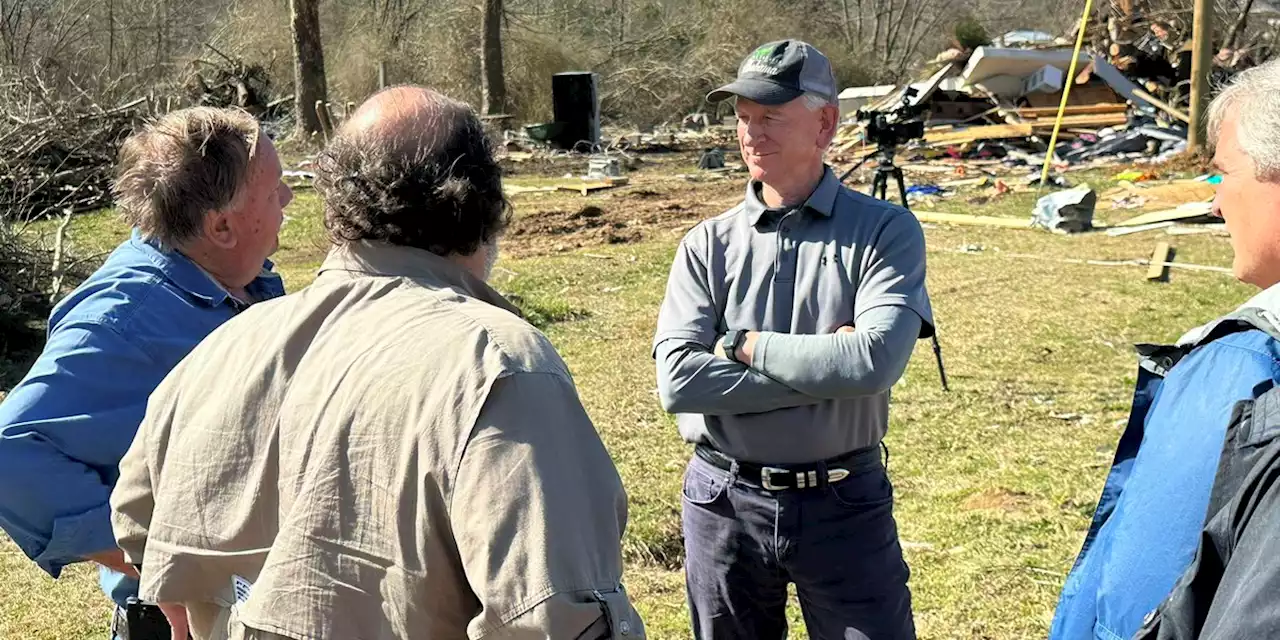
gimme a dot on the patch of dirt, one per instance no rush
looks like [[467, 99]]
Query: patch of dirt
[[618, 216], [997, 500]]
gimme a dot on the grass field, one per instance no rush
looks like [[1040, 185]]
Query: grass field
[[995, 480]]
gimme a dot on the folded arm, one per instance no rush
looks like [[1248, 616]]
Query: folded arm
[[862, 362], [691, 378]]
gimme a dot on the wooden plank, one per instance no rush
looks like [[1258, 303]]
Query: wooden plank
[[1021, 130], [515, 189], [974, 134], [979, 221], [1167, 109], [589, 187], [1183, 212], [1074, 110], [1156, 270], [1124, 231], [1099, 121], [1215, 229]]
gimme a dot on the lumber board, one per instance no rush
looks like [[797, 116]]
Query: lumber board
[[1156, 270], [1073, 110], [979, 221], [1182, 212]]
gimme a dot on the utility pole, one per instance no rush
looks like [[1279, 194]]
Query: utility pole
[[1201, 59]]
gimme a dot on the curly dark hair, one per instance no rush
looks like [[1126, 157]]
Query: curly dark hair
[[441, 191]]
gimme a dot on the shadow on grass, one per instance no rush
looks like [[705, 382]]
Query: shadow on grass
[[542, 311], [20, 343]]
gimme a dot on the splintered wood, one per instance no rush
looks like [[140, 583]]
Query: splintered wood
[[1019, 123]]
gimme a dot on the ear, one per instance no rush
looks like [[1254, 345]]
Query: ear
[[830, 122], [219, 229]]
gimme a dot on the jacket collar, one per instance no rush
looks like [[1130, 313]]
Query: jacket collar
[[1263, 307], [382, 259]]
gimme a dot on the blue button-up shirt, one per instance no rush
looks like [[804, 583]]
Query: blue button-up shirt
[[64, 428]]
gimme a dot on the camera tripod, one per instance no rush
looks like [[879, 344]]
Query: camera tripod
[[886, 169]]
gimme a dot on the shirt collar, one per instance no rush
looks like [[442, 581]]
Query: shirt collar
[[196, 282], [383, 259], [822, 201]]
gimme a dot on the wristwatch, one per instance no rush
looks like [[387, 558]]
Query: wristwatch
[[731, 341]]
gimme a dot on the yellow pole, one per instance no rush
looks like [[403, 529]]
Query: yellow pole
[[1201, 60], [1066, 91]]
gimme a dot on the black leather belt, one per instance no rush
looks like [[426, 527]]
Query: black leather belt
[[794, 476]]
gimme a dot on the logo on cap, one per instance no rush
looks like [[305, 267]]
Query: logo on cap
[[760, 62]]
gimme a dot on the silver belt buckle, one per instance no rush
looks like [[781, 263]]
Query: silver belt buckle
[[766, 475]]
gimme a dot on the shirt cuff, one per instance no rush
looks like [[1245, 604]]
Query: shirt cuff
[[761, 348], [75, 537]]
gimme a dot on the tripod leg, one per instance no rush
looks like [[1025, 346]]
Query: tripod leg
[[902, 187], [937, 352]]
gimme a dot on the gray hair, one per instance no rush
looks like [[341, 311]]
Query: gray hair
[[181, 167], [1253, 97], [815, 101]]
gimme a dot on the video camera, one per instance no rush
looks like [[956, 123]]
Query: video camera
[[896, 126]]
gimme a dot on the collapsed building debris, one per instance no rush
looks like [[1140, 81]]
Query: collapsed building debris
[[1003, 102]]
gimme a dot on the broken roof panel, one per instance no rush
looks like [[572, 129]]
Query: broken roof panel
[[1001, 71], [1023, 37], [867, 92], [991, 62], [924, 90]]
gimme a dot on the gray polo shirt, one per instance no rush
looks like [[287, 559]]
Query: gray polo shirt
[[842, 258]]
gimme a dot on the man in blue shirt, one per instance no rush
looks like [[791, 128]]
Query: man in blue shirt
[[1154, 503], [202, 189]]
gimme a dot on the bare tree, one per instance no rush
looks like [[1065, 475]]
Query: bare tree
[[308, 64], [494, 86]]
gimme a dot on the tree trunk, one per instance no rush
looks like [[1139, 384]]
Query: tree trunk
[[494, 86], [308, 65], [1238, 27], [848, 33]]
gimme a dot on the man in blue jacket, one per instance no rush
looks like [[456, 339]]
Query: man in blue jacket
[[1148, 522], [202, 189]]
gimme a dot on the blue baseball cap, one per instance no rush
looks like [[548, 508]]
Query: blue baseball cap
[[780, 72]]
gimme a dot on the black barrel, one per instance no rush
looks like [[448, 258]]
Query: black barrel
[[575, 101]]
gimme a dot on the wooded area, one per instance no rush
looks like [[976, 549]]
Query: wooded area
[[76, 74], [656, 58]]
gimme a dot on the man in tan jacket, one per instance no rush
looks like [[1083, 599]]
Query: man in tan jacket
[[391, 453]]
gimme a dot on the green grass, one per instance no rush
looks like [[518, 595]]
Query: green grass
[[995, 480]]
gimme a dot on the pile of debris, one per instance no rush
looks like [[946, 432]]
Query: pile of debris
[[1002, 102], [60, 163], [231, 82]]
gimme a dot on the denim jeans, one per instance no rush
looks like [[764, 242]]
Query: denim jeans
[[837, 543]]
